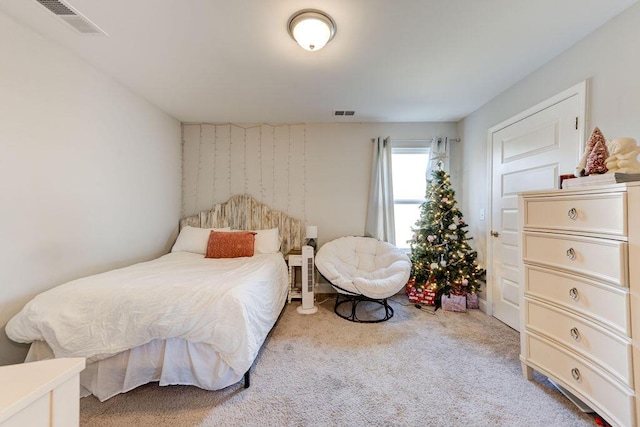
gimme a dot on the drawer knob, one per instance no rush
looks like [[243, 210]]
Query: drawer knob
[[573, 293], [575, 334], [572, 214], [571, 254], [575, 373]]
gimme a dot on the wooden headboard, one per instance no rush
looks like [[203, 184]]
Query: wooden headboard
[[242, 212]]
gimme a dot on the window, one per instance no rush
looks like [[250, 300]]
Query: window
[[409, 167]]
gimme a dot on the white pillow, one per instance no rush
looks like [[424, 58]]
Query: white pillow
[[193, 239], [267, 241]]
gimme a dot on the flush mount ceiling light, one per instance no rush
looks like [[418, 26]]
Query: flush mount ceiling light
[[311, 28]]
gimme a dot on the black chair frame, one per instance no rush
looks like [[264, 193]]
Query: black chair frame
[[354, 300]]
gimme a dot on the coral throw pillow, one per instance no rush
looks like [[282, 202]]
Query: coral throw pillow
[[234, 244]]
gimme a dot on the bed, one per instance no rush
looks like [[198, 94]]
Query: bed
[[179, 319]]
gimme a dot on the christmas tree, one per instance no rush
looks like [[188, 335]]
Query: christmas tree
[[441, 257]]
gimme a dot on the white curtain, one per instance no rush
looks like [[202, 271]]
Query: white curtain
[[380, 222], [439, 155]]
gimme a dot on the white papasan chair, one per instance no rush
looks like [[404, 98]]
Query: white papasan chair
[[363, 269]]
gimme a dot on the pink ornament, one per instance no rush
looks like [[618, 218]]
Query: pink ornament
[[465, 282], [445, 199], [431, 238]]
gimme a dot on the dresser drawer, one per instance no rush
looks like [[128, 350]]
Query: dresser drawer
[[604, 394], [578, 213], [602, 259], [594, 342], [607, 304]]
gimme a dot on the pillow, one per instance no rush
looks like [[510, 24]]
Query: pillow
[[267, 241], [193, 239], [230, 245]]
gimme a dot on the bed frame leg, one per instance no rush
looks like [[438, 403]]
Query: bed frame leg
[[247, 379]]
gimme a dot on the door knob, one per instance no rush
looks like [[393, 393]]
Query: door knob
[[495, 233]]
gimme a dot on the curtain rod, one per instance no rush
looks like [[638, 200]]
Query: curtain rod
[[428, 139]]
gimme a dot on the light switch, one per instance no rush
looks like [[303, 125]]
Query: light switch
[[481, 214]]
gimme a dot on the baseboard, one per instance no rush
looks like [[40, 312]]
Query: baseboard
[[482, 303]]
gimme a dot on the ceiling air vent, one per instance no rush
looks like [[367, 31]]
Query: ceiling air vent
[[71, 17], [343, 112]]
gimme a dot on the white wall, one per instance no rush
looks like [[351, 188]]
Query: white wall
[[339, 168], [89, 173], [609, 58], [263, 160], [318, 172]]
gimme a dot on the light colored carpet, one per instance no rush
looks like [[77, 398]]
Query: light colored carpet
[[418, 369]]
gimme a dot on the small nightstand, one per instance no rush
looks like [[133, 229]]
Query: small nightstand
[[294, 260]]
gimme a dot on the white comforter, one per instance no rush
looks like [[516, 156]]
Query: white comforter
[[230, 304]]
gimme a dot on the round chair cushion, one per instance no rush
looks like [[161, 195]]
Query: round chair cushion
[[364, 266]]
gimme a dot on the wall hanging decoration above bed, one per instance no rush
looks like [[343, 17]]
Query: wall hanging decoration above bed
[[267, 161]]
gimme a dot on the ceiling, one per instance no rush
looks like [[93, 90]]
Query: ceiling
[[395, 61]]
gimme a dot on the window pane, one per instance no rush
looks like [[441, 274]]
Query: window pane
[[406, 216], [409, 181]]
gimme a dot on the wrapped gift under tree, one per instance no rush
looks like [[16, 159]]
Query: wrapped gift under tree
[[421, 294], [454, 303]]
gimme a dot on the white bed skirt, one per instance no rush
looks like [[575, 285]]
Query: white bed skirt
[[169, 362]]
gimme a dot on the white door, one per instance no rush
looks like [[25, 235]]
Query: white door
[[528, 152]]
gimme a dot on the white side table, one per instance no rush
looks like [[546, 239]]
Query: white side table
[[294, 260]]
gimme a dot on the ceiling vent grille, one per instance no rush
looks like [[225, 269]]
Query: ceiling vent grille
[[72, 17], [341, 113]]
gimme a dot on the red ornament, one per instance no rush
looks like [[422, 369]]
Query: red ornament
[[600, 421]]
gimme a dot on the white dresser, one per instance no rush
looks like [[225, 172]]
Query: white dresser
[[45, 393], [580, 272]]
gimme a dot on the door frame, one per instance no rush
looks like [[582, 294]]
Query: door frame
[[581, 90]]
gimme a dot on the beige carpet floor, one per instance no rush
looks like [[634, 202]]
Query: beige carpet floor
[[417, 369]]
